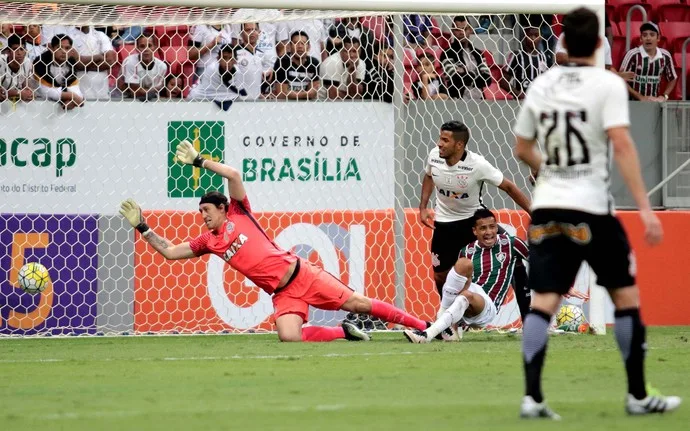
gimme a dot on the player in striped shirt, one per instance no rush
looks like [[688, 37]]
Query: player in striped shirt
[[475, 291], [650, 63]]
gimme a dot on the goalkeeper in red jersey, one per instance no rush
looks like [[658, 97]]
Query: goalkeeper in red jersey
[[294, 283], [478, 282]]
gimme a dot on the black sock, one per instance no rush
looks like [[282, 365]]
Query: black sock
[[534, 338], [523, 295], [631, 336]]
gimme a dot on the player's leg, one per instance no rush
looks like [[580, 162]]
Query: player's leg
[[613, 268], [523, 294], [549, 249], [446, 242]]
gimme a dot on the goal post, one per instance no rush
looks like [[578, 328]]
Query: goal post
[[334, 177]]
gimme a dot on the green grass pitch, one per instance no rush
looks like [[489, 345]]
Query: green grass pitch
[[253, 382]]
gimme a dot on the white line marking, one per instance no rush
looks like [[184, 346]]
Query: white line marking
[[213, 358]]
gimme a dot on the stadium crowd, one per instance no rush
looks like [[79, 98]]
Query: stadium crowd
[[313, 59]]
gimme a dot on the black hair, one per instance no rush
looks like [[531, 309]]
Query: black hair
[[482, 213], [581, 28], [351, 40], [215, 198], [460, 18], [299, 33], [14, 40], [56, 41], [459, 130]]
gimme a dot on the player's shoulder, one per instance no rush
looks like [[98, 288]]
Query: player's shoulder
[[664, 52], [476, 159], [434, 157]]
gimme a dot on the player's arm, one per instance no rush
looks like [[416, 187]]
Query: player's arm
[[426, 215], [187, 154], [515, 194], [131, 211], [520, 248]]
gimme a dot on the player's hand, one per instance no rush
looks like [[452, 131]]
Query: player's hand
[[186, 153], [653, 232], [427, 217], [628, 76], [132, 212]]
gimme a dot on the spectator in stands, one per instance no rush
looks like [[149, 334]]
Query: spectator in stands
[[218, 82], [269, 43], [95, 60], [143, 75], [34, 47], [315, 28], [380, 80], [173, 87], [429, 86], [16, 72], [297, 74], [342, 73], [205, 43], [255, 70], [464, 65], [54, 70], [352, 27], [649, 63], [417, 31], [5, 33], [49, 31], [524, 66]]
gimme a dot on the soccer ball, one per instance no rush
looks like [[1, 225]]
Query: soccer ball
[[569, 318], [33, 277]]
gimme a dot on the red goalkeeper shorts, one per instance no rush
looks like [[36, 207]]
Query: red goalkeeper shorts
[[312, 286]]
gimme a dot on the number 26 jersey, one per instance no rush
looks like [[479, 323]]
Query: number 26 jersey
[[568, 110]]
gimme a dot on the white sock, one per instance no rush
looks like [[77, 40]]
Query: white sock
[[452, 315], [451, 289]]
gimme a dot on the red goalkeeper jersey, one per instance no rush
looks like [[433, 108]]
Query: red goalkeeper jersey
[[243, 244]]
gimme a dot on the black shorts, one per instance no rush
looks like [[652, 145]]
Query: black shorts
[[560, 240], [448, 239]]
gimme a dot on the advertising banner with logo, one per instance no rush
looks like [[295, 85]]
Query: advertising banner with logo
[[207, 295], [88, 160], [67, 246]]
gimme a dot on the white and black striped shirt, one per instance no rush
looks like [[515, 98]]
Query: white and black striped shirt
[[525, 68], [648, 70]]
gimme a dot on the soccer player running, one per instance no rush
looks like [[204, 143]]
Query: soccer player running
[[235, 236], [483, 270], [458, 175], [574, 111]]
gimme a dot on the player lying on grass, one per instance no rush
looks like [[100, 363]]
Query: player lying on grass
[[478, 282], [235, 236]]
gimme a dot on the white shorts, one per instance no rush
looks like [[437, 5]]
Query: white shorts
[[489, 312], [55, 93]]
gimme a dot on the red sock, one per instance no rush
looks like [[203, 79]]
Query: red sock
[[389, 313], [322, 333]]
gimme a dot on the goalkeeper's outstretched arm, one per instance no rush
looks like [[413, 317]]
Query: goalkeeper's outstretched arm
[[186, 153], [132, 212]]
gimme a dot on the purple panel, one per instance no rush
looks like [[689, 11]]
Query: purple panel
[[72, 261]]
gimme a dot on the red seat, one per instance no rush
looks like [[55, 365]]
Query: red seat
[[618, 51], [377, 25], [670, 10], [622, 7], [675, 33], [488, 57], [176, 57], [634, 32], [617, 30], [495, 92], [678, 62], [125, 50], [172, 35]]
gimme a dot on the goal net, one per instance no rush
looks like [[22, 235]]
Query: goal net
[[329, 115]]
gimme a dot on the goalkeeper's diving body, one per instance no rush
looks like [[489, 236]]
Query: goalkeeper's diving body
[[295, 284], [478, 282]]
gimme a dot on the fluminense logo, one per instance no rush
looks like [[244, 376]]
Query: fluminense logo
[[208, 137]]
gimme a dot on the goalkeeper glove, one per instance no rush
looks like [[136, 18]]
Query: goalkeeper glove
[[132, 212], [186, 153]]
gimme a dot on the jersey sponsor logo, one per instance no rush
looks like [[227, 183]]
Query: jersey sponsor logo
[[463, 181], [580, 234], [452, 194], [500, 257], [234, 247], [465, 168], [503, 240], [436, 161]]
